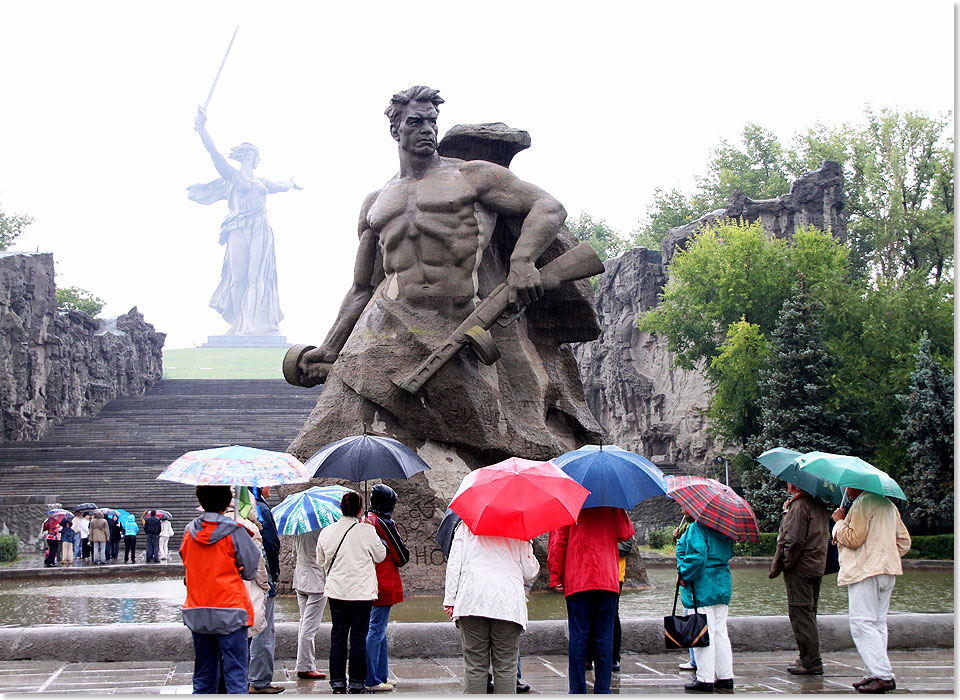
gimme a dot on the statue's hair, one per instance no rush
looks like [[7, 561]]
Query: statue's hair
[[238, 152], [417, 93]]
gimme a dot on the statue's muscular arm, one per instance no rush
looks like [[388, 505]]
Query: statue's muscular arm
[[315, 364], [504, 193]]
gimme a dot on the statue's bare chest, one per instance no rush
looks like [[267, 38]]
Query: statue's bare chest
[[442, 192]]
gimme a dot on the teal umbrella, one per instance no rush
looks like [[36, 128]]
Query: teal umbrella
[[783, 463], [844, 471], [129, 521]]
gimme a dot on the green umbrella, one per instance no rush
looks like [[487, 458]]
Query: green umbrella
[[783, 463], [849, 471]]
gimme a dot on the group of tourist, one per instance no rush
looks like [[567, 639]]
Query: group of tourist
[[96, 536], [354, 564]]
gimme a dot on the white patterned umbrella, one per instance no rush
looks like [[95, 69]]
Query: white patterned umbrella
[[308, 510], [236, 465]]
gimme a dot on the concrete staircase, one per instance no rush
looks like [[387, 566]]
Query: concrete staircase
[[113, 459]]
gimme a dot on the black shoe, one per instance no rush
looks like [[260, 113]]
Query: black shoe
[[696, 686], [522, 687], [723, 684], [359, 691], [339, 691], [615, 667], [490, 690]]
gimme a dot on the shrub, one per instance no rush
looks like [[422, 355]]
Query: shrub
[[931, 547], [9, 547], [658, 539], [766, 547]]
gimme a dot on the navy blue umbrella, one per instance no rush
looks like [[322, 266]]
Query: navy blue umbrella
[[445, 532], [614, 476], [364, 457]]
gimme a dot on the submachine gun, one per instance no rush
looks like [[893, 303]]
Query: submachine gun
[[577, 263]]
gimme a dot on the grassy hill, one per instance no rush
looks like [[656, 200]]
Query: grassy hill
[[223, 363]]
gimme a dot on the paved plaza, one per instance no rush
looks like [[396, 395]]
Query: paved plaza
[[920, 671]]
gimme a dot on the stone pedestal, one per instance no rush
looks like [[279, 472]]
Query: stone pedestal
[[246, 341]]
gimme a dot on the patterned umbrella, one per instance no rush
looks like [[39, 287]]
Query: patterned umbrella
[[518, 498], [308, 510], [715, 505], [236, 466]]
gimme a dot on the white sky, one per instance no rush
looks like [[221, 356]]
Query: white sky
[[97, 139]]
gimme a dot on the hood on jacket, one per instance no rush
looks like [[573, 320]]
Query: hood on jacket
[[211, 527], [97, 516], [383, 500]]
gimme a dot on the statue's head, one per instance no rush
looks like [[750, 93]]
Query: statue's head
[[413, 119], [246, 151]]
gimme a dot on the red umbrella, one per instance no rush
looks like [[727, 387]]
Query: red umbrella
[[55, 519], [715, 505], [518, 498]]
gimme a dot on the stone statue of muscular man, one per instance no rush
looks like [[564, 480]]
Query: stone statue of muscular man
[[432, 242]]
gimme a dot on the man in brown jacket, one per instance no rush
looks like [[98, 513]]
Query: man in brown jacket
[[99, 536], [802, 556]]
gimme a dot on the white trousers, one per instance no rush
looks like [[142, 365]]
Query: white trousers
[[164, 542], [715, 662], [869, 601], [311, 610]]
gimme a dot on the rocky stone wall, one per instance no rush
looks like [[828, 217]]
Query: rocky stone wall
[[58, 364], [23, 515]]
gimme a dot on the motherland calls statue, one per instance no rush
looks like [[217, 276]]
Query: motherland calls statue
[[247, 296]]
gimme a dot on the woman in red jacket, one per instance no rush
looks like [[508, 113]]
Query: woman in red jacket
[[383, 500]]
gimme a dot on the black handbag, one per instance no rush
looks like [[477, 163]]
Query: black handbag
[[685, 631], [832, 565]]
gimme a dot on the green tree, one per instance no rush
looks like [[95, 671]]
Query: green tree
[[11, 226], [606, 240], [734, 413], [732, 272], [797, 400], [927, 431], [669, 210], [77, 299]]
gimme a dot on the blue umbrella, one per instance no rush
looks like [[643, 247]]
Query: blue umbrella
[[614, 476], [364, 457], [782, 462], [312, 509], [128, 521]]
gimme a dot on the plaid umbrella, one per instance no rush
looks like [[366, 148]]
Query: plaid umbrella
[[236, 466], [308, 510], [715, 505]]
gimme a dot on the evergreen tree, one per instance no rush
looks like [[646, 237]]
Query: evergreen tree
[[797, 400], [927, 433]]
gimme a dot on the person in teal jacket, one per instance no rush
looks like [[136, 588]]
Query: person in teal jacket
[[702, 565]]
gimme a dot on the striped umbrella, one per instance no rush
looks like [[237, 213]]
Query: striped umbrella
[[715, 505], [235, 466], [308, 510]]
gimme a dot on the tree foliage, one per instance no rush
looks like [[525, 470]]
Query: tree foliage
[[757, 168], [927, 432], [670, 209], [734, 413], [605, 240], [11, 226], [77, 299]]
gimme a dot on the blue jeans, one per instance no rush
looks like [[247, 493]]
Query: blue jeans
[[206, 666], [262, 648], [153, 548], [377, 666], [590, 618]]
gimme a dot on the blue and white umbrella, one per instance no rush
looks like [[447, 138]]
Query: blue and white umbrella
[[614, 476], [312, 509]]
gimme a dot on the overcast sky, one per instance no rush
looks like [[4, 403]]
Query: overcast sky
[[97, 139]]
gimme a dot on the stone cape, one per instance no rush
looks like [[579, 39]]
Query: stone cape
[[529, 404]]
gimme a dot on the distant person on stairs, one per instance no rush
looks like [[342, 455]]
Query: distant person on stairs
[[152, 528], [130, 531], [100, 537], [166, 532], [116, 534]]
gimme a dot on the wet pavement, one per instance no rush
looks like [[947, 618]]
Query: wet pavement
[[917, 671]]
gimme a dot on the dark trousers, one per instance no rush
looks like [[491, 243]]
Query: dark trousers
[[53, 549], [85, 549], [153, 548], [209, 650], [351, 619], [113, 548], [590, 619], [130, 548], [803, 594], [617, 636]]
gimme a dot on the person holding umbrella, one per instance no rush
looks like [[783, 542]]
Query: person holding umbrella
[[383, 501], [100, 537], [350, 551], [116, 534], [802, 556], [872, 540], [152, 528], [67, 538], [166, 532]]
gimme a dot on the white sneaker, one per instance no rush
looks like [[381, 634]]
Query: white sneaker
[[381, 688], [687, 666], [392, 682]]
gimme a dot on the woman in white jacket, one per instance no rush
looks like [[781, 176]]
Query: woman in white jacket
[[349, 551], [485, 594]]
